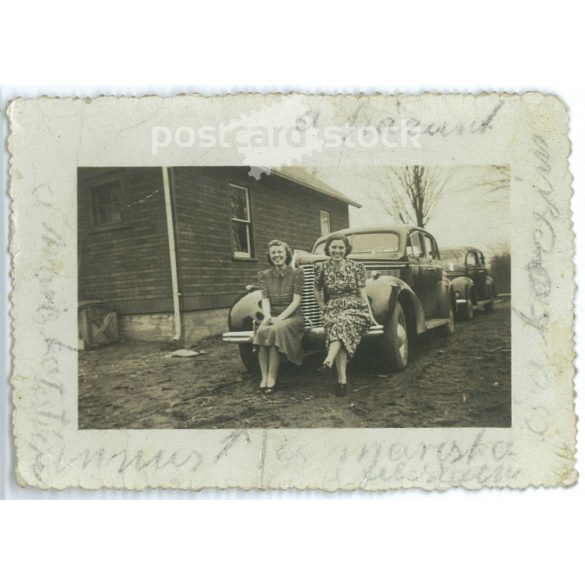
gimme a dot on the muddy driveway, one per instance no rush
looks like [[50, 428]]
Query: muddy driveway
[[461, 381]]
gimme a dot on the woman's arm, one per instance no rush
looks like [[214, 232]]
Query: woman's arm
[[319, 286], [364, 296], [319, 297], [295, 304], [266, 311]]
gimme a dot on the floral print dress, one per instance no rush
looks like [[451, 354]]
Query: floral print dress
[[346, 317]]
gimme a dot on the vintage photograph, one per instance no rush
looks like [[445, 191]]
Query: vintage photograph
[[305, 297], [276, 291]]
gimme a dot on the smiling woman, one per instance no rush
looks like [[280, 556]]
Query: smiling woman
[[340, 291], [282, 326]]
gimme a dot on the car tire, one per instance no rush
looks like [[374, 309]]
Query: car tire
[[394, 343], [449, 328], [467, 311], [249, 357]]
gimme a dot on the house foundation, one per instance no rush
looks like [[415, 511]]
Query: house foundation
[[159, 327]]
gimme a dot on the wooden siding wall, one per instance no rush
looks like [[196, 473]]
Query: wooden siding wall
[[210, 276], [128, 265]]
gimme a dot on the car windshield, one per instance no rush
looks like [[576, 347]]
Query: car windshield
[[369, 243]]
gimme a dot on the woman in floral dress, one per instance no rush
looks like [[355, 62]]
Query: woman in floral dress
[[340, 290]]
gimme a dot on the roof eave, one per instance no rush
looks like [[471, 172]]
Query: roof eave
[[313, 187]]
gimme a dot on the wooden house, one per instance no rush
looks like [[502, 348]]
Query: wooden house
[[171, 248]]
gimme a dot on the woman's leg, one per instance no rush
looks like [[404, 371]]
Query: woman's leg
[[263, 361], [341, 364], [334, 348], [273, 363]]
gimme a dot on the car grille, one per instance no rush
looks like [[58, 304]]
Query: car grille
[[309, 306], [311, 310]]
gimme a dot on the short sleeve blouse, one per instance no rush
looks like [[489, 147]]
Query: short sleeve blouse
[[280, 288]]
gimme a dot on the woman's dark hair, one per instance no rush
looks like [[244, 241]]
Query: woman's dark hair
[[287, 249], [344, 239]]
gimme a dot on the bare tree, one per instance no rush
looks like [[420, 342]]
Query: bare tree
[[495, 178], [501, 265], [412, 192]]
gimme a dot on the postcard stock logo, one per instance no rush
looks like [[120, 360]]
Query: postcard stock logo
[[300, 137]]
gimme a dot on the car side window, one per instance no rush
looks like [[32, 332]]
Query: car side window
[[471, 259], [414, 245], [431, 247]]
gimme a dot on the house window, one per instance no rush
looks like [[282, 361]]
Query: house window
[[106, 203], [240, 221], [325, 223]]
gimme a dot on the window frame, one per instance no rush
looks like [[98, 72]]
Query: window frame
[[433, 253], [419, 235], [97, 181], [237, 254], [473, 254], [95, 204]]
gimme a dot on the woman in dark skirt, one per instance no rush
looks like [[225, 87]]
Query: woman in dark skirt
[[283, 325], [346, 313]]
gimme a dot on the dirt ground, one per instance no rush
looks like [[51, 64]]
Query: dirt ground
[[460, 381]]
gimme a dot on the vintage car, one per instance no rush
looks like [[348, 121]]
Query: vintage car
[[406, 285], [474, 287]]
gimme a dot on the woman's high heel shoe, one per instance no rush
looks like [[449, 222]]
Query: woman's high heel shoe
[[324, 367], [271, 389], [341, 389]]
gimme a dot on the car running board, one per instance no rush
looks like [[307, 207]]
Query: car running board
[[482, 304], [434, 323]]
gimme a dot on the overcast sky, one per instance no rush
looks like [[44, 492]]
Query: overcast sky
[[466, 214]]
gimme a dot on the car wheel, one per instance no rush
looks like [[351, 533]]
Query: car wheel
[[449, 328], [249, 358], [395, 341], [467, 311]]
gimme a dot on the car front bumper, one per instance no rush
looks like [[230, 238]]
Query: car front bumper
[[314, 333]]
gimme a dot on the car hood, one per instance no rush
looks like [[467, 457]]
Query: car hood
[[453, 267]]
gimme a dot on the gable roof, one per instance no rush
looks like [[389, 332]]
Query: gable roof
[[302, 177]]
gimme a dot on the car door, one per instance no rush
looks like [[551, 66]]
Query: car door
[[472, 271], [481, 278], [433, 277]]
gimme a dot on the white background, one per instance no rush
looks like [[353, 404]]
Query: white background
[[535, 536]]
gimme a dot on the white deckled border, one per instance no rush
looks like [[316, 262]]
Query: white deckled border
[[51, 137]]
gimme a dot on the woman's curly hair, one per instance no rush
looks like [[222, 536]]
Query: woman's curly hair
[[287, 249], [344, 239]]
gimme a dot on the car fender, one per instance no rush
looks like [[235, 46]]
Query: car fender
[[461, 286], [385, 291], [245, 311]]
